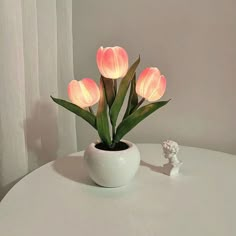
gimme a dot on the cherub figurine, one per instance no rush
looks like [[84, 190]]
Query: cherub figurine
[[170, 149]]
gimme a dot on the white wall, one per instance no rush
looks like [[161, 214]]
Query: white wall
[[192, 42]]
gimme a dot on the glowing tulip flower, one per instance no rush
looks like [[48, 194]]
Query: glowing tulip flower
[[112, 62], [83, 93], [151, 85]]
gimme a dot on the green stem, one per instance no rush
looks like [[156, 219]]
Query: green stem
[[113, 144], [113, 125], [115, 86], [113, 131], [113, 135], [91, 110], [139, 104]]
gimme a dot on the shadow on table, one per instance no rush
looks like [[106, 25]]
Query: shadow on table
[[72, 167], [159, 169]]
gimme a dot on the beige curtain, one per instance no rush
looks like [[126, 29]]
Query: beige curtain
[[36, 61]]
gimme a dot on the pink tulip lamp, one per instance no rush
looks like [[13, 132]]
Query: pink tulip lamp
[[113, 161]]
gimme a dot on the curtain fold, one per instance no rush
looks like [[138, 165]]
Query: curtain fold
[[36, 61]]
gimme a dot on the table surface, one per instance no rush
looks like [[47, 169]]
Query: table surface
[[59, 199]]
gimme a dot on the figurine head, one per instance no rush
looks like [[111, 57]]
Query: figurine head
[[170, 148]]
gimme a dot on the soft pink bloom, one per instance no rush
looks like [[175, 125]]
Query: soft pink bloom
[[112, 62], [151, 84], [83, 93]]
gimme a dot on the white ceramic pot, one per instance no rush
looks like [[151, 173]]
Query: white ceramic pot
[[112, 168]]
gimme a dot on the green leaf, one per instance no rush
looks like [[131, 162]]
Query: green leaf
[[87, 116], [102, 118], [120, 96], [137, 116], [109, 90], [133, 98]]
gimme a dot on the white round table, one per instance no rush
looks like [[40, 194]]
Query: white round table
[[59, 199]]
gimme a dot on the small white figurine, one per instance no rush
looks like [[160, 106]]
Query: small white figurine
[[170, 149]]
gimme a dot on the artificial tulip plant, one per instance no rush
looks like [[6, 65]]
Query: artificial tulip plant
[[113, 64]]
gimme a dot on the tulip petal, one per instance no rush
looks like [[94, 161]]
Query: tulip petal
[[84, 93], [99, 57], [73, 91], [112, 62], [159, 90], [109, 64], [147, 81], [122, 61], [151, 84], [90, 90], [140, 82], [152, 81]]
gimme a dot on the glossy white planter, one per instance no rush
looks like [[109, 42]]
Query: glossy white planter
[[112, 168]]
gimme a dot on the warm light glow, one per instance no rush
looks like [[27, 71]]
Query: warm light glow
[[112, 62], [83, 93], [151, 84]]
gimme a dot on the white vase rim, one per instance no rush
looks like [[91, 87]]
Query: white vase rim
[[130, 145]]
